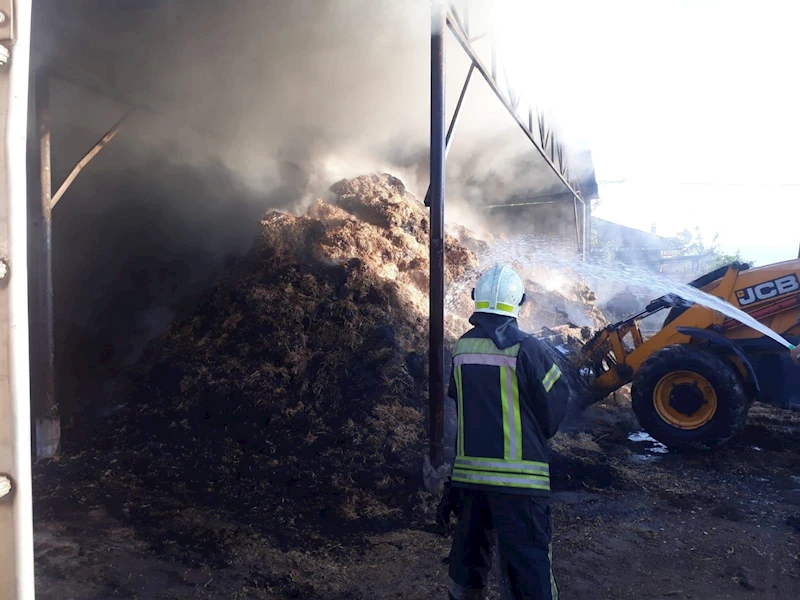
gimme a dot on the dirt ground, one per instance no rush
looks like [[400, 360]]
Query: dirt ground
[[630, 522]]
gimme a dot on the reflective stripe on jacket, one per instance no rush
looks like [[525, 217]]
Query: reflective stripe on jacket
[[509, 403]]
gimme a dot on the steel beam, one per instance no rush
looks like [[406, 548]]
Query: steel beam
[[437, 195], [101, 143], [47, 435], [588, 229], [530, 200], [542, 138], [577, 224], [586, 241], [453, 122], [463, 41], [518, 204], [16, 515], [457, 111]]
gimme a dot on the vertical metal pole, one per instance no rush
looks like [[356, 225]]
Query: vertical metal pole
[[577, 224], [16, 515], [47, 422], [436, 358], [585, 230]]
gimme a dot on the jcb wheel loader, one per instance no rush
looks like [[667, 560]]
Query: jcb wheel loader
[[694, 381]]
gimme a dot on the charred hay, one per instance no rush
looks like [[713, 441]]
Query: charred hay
[[294, 397], [296, 392]]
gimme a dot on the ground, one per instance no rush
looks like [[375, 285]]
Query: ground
[[630, 522]]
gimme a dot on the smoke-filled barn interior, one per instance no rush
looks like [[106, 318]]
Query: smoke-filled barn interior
[[231, 214]]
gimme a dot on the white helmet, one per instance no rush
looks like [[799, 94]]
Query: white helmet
[[499, 291]]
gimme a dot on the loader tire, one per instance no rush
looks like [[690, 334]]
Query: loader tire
[[688, 398]]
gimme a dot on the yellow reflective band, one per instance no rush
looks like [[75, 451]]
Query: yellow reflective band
[[550, 379], [493, 461], [502, 466], [514, 384], [509, 434], [460, 441], [512, 420], [500, 306], [502, 479], [483, 346]]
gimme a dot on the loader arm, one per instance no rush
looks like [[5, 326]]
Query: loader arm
[[770, 294]]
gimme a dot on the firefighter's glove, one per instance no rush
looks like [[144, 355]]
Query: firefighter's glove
[[448, 505]]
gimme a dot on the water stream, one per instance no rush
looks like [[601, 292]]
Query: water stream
[[531, 254]]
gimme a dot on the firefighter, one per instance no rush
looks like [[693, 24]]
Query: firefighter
[[511, 399]]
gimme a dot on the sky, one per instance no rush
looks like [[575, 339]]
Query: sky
[[691, 110]]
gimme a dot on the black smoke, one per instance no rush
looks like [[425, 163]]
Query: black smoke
[[239, 108]]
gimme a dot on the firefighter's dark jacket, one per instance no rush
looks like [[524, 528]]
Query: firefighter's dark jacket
[[504, 424]]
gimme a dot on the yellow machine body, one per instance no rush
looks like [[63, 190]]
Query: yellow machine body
[[771, 294]]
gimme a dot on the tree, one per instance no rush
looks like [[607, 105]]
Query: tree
[[691, 243], [725, 259]]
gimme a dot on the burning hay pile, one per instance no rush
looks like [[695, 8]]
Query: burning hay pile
[[296, 392], [295, 396]]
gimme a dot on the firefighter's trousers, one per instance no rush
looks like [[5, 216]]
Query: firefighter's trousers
[[522, 526]]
